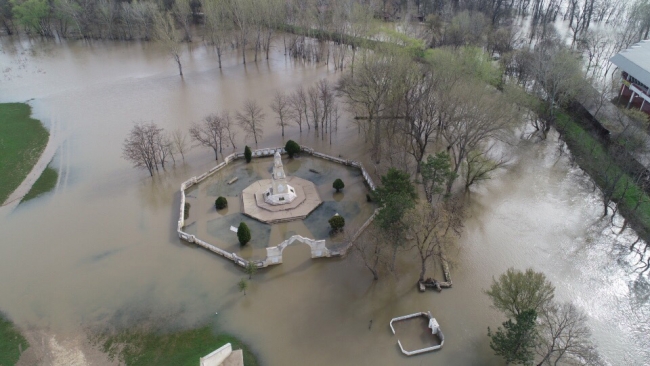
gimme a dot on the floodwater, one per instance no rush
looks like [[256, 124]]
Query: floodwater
[[103, 245]]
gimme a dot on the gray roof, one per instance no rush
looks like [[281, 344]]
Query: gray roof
[[635, 61]]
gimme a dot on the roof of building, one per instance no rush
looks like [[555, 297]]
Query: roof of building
[[635, 61]]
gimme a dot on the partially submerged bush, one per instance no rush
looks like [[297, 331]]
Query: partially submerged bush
[[221, 203], [292, 148], [338, 184], [243, 233], [248, 154], [337, 222]]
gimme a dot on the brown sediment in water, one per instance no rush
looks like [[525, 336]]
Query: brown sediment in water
[[105, 241]]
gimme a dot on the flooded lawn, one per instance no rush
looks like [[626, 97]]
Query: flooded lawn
[[213, 226], [103, 243]]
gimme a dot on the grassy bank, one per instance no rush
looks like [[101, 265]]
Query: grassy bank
[[134, 347], [11, 342], [22, 140], [593, 157], [45, 183]]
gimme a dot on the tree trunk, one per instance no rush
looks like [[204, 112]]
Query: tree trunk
[[243, 49], [178, 61], [377, 141], [423, 270]]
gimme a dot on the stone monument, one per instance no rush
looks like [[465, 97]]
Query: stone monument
[[280, 198], [280, 192]]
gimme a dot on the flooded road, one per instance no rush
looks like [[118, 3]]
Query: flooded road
[[103, 245]]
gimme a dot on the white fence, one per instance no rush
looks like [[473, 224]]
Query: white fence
[[438, 333], [259, 154]]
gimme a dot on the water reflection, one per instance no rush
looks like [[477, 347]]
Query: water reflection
[[104, 248]]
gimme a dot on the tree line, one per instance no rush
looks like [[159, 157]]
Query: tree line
[[150, 147], [252, 24]]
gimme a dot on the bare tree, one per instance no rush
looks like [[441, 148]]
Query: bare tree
[[433, 228], [370, 91], [209, 133], [229, 126], [315, 107], [565, 338], [299, 105], [106, 16], [179, 142], [334, 124], [327, 99], [242, 12], [164, 148], [272, 18], [280, 105], [419, 108], [558, 75], [372, 250], [475, 121], [218, 24], [141, 146], [145, 14], [183, 13], [165, 30], [250, 119], [360, 24]]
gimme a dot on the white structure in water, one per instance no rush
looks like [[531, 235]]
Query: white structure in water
[[280, 192]]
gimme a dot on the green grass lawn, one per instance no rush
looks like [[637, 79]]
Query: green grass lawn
[[22, 140], [134, 347], [10, 338], [43, 184]]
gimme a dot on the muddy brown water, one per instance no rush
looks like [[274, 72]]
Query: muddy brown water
[[103, 243]]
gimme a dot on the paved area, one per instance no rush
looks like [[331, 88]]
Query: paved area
[[307, 200]]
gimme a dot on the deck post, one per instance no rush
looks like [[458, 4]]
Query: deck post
[[630, 101]]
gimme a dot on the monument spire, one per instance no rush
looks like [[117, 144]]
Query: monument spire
[[280, 192]]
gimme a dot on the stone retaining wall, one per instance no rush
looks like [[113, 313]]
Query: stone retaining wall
[[274, 254]]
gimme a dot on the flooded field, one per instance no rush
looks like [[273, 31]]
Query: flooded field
[[102, 246]]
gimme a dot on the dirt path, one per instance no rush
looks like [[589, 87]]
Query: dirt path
[[52, 145]]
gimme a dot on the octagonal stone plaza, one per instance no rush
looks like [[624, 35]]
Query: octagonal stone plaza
[[307, 200], [290, 209]]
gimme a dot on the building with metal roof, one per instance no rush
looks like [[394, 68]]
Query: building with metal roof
[[634, 64]]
